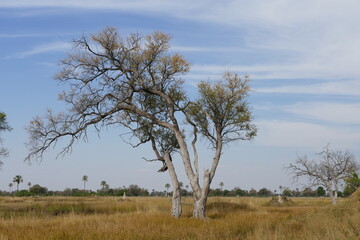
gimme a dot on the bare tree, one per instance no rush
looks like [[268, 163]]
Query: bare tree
[[328, 170], [135, 82]]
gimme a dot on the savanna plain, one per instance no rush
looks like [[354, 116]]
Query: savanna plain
[[150, 218]]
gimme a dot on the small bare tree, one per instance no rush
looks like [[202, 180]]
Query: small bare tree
[[328, 170]]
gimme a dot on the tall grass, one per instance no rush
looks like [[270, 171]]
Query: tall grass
[[149, 218]]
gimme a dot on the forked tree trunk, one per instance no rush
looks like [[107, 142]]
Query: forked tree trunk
[[200, 208], [176, 209], [201, 196]]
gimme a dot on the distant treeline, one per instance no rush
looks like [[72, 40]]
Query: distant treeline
[[135, 190]]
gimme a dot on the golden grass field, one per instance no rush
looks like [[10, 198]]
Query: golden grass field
[[149, 218]]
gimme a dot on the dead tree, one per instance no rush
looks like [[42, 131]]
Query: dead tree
[[328, 170]]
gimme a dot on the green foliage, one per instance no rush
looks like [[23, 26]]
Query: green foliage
[[252, 192], [135, 190], [308, 192], [222, 111], [352, 183], [80, 193], [320, 191], [215, 192], [22, 193], [38, 190], [264, 192], [240, 192], [287, 192], [4, 126]]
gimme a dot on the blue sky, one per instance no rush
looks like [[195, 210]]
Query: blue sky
[[303, 58]]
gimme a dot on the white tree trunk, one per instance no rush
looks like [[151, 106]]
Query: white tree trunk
[[200, 198], [334, 197], [335, 194], [200, 208], [176, 208], [200, 194]]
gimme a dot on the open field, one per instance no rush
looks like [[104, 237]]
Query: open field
[[149, 218]]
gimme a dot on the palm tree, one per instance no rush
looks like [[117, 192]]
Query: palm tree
[[104, 185], [84, 179], [221, 184], [29, 185], [18, 179], [167, 186], [10, 186]]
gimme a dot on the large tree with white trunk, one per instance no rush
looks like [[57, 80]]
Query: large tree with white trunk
[[137, 83], [328, 170]]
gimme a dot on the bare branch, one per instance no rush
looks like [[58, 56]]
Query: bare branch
[[328, 170]]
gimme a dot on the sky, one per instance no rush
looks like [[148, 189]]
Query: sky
[[303, 58]]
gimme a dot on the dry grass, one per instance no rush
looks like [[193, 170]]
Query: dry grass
[[149, 218]]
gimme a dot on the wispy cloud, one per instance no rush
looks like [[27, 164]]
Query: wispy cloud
[[33, 35], [208, 49], [45, 48], [22, 35], [310, 39], [338, 113], [341, 87], [268, 71], [286, 71], [300, 134]]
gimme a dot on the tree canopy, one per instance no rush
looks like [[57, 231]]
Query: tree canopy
[[137, 83]]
